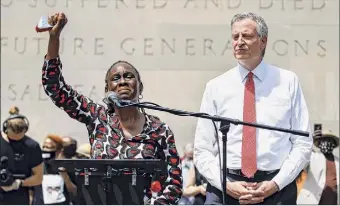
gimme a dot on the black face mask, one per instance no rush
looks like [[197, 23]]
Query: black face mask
[[70, 150], [47, 156], [326, 146]]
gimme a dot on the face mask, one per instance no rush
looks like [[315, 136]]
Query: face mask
[[70, 151], [326, 146], [48, 155]]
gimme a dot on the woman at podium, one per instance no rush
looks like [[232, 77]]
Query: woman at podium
[[111, 129]]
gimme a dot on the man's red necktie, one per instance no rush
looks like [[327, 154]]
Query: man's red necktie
[[249, 165]]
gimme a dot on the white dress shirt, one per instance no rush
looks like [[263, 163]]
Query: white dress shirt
[[279, 102]]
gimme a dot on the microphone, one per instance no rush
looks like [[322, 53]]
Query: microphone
[[112, 98]]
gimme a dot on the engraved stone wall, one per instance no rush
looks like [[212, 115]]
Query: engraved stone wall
[[178, 45]]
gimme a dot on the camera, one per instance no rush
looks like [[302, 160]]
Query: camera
[[6, 177]]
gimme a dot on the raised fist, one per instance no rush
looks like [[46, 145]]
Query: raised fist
[[58, 21]]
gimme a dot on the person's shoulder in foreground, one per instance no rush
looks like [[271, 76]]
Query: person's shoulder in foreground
[[30, 142]]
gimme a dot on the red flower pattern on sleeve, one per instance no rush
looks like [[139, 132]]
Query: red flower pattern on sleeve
[[106, 137]]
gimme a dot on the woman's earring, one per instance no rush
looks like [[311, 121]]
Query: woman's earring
[[140, 96]]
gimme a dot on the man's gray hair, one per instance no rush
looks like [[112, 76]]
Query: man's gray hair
[[262, 28]]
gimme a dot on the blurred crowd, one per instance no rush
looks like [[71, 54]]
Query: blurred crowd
[[59, 187], [317, 183]]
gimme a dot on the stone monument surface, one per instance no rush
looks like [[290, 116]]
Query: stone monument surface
[[178, 45]]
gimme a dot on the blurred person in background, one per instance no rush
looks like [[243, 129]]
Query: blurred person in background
[[23, 156], [187, 161], [195, 187], [114, 131], [70, 145], [83, 151], [320, 181], [187, 164], [52, 148], [69, 152], [57, 187]]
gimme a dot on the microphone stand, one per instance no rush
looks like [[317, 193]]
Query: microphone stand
[[224, 128]]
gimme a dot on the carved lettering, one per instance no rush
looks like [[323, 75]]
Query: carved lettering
[[280, 47], [282, 5], [233, 5], [216, 3], [51, 3], [67, 3], [11, 89], [82, 3], [33, 4], [48, 3], [298, 44], [6, 3], [296, 6], [227, 47], [147, 44], [102, 5], [208, 43], [126, 41], [322, 47], [165, 43], [318, 7], [189, 44], [78, 43], [4, 43], [27, 91], [37, 93], [140, 4], [190, 1], [98, 44], [161, 6], [121, 2], [23, 46], [267, 5]]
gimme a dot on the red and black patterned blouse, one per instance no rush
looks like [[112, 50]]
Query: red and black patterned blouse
[[106, 136]]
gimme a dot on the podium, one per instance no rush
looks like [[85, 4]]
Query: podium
[[112, 182]]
